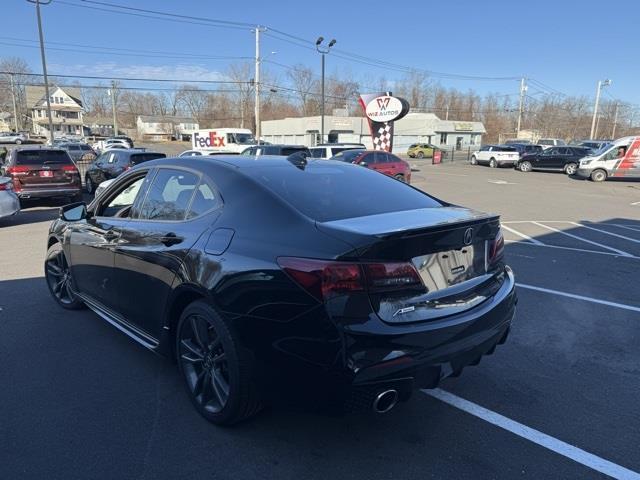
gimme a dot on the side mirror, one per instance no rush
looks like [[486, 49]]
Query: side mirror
[[73, 212]]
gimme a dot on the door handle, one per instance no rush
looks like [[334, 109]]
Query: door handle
[[170, 239]]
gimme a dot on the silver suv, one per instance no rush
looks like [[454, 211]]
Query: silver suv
[[9, 137]]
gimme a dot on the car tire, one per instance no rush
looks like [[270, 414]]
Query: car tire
[[420, 154], [570, 168], [493, 163], [598, 175], [59, 280], [474, 160], [399, 177], [524, 166], [218, 372], [18, 142], [88, 185]]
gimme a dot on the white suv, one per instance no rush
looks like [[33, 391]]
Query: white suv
[[495, 156], [551, 142], [328, 150]]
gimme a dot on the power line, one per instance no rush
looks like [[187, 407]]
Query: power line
[[131, 79]]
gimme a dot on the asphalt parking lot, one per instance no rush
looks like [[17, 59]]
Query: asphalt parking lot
[[558, 400]]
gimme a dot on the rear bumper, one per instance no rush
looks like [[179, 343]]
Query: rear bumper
[[49, 192], [506, 162], [412, 357]]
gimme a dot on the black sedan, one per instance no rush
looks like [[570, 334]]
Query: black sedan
[[112, 163], [562, 159], [280, 280]]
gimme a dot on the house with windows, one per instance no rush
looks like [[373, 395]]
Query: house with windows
[[415, 127], [167, 127], [66, 110]]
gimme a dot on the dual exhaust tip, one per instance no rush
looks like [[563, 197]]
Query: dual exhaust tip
[[385, 401]]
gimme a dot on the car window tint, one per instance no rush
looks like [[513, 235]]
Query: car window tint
[[112, 157], [74, 147], [169, 195], [290, 150], [124, 199], [205, 199], [317, 152], [318, 191], [85, 147], [38, 157]]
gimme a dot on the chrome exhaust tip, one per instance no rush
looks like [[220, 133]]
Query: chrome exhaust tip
[[385, 401]]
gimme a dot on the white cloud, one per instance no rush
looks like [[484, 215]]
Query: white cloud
[[186, 72]]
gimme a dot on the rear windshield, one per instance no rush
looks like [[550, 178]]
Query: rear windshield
[[38, 157], [335, 192], [506, 149], [137, 158]]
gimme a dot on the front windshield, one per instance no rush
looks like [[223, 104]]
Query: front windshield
[[242, 138], [600, 150]]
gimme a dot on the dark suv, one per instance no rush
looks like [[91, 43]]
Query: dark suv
[[526, 149], [42, 173], [285, 150], [563, 159], [112, 163]]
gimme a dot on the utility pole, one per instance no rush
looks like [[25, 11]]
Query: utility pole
[[15, 108], [601, 83], [257, 83], [615, 122], [323, 52], [523, 89], [112, 94], [44, 63]]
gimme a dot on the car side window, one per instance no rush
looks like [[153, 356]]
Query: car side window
[[112, 157], [120, 204], [205, 198], [169, 195]]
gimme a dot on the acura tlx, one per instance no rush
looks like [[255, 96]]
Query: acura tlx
[[280, 280]]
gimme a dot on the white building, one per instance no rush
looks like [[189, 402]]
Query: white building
[[413, 128], [155, 127], [66, 110]]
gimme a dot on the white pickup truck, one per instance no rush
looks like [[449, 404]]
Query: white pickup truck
[[495, 156]]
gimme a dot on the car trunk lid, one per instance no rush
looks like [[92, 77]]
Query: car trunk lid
[[44, 169]]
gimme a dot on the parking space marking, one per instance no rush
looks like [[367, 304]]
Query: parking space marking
[[573, 249], [626, 227], [553, 229], [579, 297], [634, 203], [522, 235], [606, 232], [567, 450]]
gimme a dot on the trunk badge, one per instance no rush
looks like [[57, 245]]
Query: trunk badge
[[458, 269], [404, 310], [468, 236]]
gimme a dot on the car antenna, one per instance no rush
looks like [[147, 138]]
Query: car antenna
[[299, 159]]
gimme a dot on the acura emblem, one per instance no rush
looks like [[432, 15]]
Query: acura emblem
[[468, 236]]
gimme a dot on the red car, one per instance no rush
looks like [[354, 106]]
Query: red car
[[378, 160], [38, 172]]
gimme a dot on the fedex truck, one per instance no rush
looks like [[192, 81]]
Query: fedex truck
[[222, 140]]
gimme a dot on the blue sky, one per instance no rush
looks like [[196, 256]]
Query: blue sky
[[566, 45]]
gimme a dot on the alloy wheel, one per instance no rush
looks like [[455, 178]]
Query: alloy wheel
[[525, 167], [571, 169], [204, 363], [58, 276]]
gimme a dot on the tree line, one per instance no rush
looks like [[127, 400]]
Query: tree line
[[297, 93]]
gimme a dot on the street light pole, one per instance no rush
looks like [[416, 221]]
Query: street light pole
[[15, 107], [112, 94], [44, 63], [601, 83], [323, 51]]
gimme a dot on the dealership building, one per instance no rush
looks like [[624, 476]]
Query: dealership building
[[415, 127]]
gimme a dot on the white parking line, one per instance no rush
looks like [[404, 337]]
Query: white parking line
[[522, 235], [626, 227], [553, 229], [606, 232], [576, 454], [573, 249], [579, 297]]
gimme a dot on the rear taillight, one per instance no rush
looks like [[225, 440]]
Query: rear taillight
[[495, 252], [384, 276], [18, 170], [325, 279], [69, 168], [6, 186]]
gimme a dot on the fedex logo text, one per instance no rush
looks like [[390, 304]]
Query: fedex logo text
[[211, 140]]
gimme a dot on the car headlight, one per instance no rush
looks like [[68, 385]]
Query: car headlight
[[585, 162]]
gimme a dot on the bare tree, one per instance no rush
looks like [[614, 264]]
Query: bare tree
[[305, 85]]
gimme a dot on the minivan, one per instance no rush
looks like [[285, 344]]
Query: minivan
[[620, 160]]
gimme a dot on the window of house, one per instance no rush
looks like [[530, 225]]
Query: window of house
[[443, 138]]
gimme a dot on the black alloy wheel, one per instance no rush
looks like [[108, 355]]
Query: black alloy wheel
[[217, 371], [59, 280]]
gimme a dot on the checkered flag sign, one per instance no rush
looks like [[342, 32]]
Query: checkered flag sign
[[382, 109], [383, 137]]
